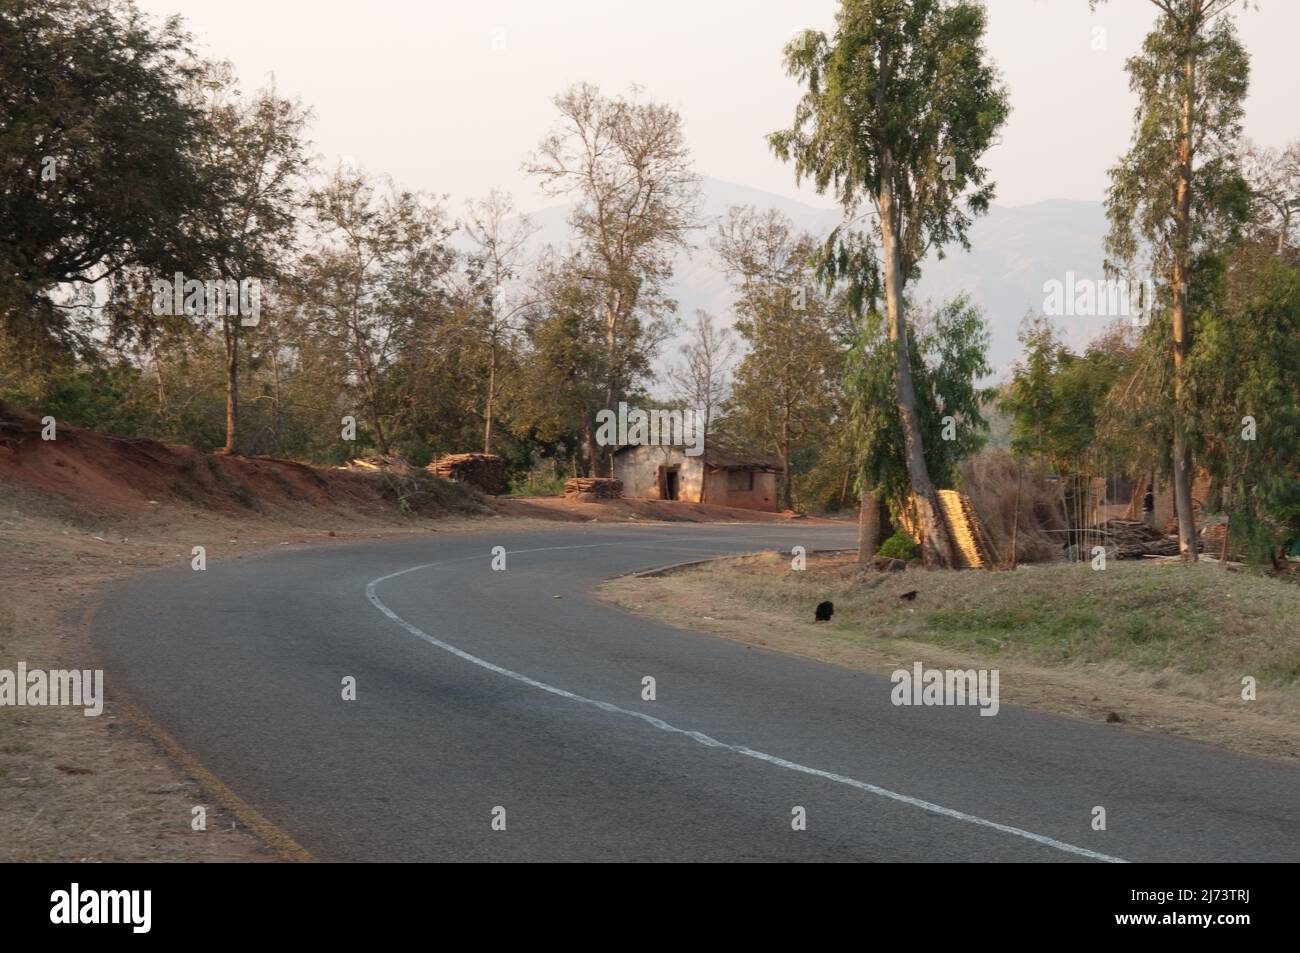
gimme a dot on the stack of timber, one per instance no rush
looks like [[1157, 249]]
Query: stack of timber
[[481, 470], [1133, 539], [594, 488], [974, 548]]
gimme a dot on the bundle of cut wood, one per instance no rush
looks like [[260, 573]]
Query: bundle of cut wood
[[600, 488], [1128, 531], [974, 551], [482, 470], [1131, 539]]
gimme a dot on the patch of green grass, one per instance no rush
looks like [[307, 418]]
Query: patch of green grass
[[537, 484], [1195, 619]]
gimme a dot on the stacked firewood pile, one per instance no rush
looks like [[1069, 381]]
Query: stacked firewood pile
[[482, 470], [974, 551], [593, 488], [1131, 539]]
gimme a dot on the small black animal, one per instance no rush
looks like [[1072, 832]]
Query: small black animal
[[824, 611], [909, 596]]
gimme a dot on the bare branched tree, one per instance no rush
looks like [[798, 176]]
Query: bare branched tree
[[500, 236], [703, 381], [1274, 179], [626, 162]]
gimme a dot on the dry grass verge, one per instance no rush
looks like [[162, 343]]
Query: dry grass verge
[[1161, 646]]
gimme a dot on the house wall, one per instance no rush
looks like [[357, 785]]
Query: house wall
[[761, 497], [638, 468]]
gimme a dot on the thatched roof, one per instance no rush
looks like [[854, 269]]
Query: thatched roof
[[723, 454]]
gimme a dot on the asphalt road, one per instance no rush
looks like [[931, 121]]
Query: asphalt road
[[478, 689]]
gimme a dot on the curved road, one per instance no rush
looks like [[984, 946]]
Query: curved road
[[479, 689]]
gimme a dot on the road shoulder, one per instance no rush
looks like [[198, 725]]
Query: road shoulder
[[722, 599]]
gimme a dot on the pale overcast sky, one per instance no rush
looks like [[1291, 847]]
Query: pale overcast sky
[[449, 97]]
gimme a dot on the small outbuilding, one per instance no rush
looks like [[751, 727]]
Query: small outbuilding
[[724, 474]]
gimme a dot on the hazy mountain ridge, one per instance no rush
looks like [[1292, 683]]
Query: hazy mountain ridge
[[1014, 250]]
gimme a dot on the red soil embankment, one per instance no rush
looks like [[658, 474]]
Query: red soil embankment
[[100, 474]]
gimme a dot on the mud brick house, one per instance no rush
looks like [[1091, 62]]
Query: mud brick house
[[723, 474]]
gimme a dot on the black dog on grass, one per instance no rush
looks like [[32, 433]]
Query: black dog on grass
[[824, 612]]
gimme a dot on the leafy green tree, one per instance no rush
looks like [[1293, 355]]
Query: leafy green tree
[[98, 163], [1245, 377], [900, 105], [949, 354], [1031, 397], [373, 287], [1178, 194], [626, 162], [567, 371], [254, 160], [788, 380], [500, 236], [1056, 398]]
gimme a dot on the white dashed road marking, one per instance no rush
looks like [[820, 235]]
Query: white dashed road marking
[[700, 737]]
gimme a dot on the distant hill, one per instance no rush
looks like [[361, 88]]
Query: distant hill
[[1014, 250]]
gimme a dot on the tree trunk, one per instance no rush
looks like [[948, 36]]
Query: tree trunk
[[611, 345], [593, 450], [868, 527], [491, 393], [373, 400], [936, 546], [1183, 499], [277, 418], [162, 392], [787, 491], [232, 384], [1015, 519], [1182, 218]]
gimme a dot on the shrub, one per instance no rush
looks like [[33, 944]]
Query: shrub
[[900, 546]]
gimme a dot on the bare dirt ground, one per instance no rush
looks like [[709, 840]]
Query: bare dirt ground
[[1144, 646]]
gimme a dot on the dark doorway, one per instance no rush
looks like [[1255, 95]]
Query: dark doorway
[[672, 482]]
